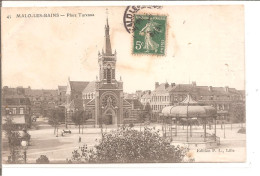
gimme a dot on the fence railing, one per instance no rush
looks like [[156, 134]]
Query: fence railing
[[192, 137]]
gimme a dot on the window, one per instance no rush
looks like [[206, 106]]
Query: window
[[105, 74], [21, 110], [14, 110], [109, 74], [113, 73]]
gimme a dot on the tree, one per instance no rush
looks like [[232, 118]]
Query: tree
[[237, 113], [79, 119], [56, 116], [141, 118], [148, 111], [43, 159], [104, 120], [127, 145], [14, 141]]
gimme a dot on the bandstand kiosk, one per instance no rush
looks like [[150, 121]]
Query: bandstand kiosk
[[195, 117]]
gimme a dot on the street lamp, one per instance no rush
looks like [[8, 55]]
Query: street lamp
[[24, 145], [224, 130], [116, 108]]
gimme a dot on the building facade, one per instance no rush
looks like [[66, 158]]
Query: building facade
[[41, 99], [18, 109], [222, 98]]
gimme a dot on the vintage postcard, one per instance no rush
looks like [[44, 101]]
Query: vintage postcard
[[123, 84]]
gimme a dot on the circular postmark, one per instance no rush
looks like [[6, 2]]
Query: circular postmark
[[130, 11]]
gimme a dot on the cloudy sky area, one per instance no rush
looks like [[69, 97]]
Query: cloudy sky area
[[204, 44]]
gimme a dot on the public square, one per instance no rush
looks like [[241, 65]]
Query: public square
[[58, 149]]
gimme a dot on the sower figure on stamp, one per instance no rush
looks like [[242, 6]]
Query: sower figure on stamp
[[148, 31]]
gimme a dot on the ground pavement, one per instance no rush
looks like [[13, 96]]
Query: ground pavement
[[60, 148]]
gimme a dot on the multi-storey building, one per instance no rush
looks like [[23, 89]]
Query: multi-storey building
[[222, 98], [41, 99], [146, 97], [17, 108]]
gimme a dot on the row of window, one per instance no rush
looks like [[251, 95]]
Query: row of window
[[89, 96], [222, 106], [160, 98], [168, 98], [182, 97], [14, 111], [158, 107]]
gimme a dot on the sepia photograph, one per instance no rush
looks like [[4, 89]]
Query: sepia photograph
[[123, 84]]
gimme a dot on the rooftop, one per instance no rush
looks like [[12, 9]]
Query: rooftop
[[90, 88], [78, 86]]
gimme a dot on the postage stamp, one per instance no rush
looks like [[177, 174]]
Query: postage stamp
[[149, 34]]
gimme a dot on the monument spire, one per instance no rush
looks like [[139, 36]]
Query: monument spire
[[107, 47]]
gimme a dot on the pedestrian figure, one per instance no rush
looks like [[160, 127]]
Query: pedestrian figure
[[79, 139]]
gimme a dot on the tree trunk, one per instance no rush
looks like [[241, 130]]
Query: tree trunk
[[57, 131], [101, 131], [13, 156]]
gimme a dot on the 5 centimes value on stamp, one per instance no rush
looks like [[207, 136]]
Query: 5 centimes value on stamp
[[149, 34]]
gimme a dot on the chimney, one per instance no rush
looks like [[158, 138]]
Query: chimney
[[210, 88], [172, 84], [226, 89], [156, 85], [194, 83], [166, 85]]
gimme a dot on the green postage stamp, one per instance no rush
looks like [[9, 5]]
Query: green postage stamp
[[149, 34]]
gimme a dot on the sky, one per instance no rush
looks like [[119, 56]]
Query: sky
[[203, 44]]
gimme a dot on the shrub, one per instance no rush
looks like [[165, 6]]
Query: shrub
[[43, 159], [131, 125], [127, 145], [242, 131]]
